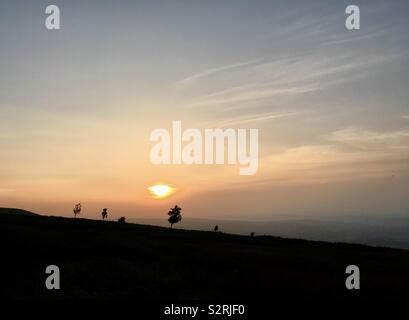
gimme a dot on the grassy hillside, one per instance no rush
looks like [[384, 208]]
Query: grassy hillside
[[391, 232], [108, 260], [15, 211]]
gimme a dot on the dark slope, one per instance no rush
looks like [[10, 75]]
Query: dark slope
[[15, 211], [109, 260], [391, 232]]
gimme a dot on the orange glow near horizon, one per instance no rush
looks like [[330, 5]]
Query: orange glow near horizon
[[161, 191]]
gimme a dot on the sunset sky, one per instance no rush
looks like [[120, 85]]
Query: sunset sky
[[77, 106]]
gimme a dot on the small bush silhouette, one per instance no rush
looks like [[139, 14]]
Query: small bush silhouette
[[174, 215], [104, 213], [77, 209], [121, 220], [216, 228], [252, 234]]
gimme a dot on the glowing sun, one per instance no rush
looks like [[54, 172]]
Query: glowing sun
[[161, 191]]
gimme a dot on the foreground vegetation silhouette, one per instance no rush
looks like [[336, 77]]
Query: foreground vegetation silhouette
[[77, 209], [174, 215], [104, 213]]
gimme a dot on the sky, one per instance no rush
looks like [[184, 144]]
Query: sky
[[78, 105]]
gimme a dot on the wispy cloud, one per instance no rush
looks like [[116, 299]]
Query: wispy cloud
[[375, 33], [250, 119], [346, 154], [287, 76], [255, 94], [359, 136], [322, 164], [212, 71]]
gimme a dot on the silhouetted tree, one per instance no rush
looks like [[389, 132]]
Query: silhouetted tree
[[252, 234], [174, 215], [121, 220], [77, 209], [216, 228], [104, 213]]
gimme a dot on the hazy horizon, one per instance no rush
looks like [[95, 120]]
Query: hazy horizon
[[78, 105]]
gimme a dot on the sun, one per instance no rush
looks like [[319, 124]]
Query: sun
[[161, 191]]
